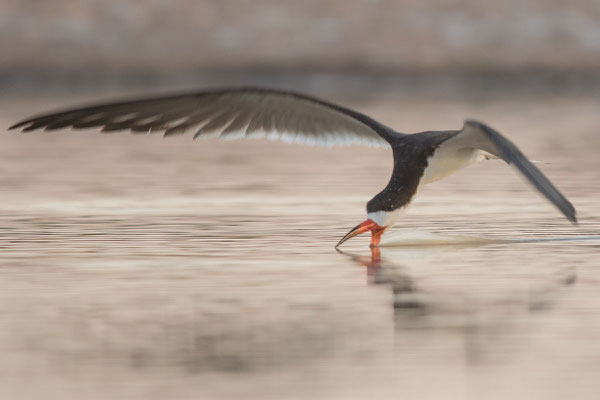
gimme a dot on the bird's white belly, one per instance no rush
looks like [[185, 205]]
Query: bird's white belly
[[447, 160]]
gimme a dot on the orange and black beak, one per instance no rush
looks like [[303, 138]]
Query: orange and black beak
[[368, 225]]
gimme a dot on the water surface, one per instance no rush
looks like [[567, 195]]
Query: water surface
[[137, 267]]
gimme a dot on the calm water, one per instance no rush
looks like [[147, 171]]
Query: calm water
[[137, 267]]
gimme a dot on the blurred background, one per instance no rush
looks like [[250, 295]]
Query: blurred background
[[140, 268], [360, 45]]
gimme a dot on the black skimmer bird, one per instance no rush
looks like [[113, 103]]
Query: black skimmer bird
[[248, 112]]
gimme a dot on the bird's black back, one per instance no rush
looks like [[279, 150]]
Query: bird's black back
[[411, 155]]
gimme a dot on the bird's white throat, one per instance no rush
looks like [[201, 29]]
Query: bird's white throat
[[386, 218]]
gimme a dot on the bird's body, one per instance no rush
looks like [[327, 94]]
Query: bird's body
[[426, 158], [419, 158]]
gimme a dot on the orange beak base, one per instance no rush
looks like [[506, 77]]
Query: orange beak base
[[368, 225]]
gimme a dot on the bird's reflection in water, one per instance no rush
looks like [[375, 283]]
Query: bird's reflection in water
[[492, 330], [382, 272]]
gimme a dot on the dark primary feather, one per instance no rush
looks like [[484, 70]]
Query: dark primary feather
[[229, 113], [478, 135]]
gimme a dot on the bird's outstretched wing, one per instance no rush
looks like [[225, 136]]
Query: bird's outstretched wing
[[229, 113], [480, 136]]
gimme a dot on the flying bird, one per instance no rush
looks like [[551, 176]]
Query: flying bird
[[252, 112]]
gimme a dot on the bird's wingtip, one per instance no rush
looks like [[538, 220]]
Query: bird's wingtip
[[571, 215], [18, 125]]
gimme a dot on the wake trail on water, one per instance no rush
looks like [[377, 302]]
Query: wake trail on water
[[423, 238]]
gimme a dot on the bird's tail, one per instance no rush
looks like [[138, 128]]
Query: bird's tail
[[488, 156]]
